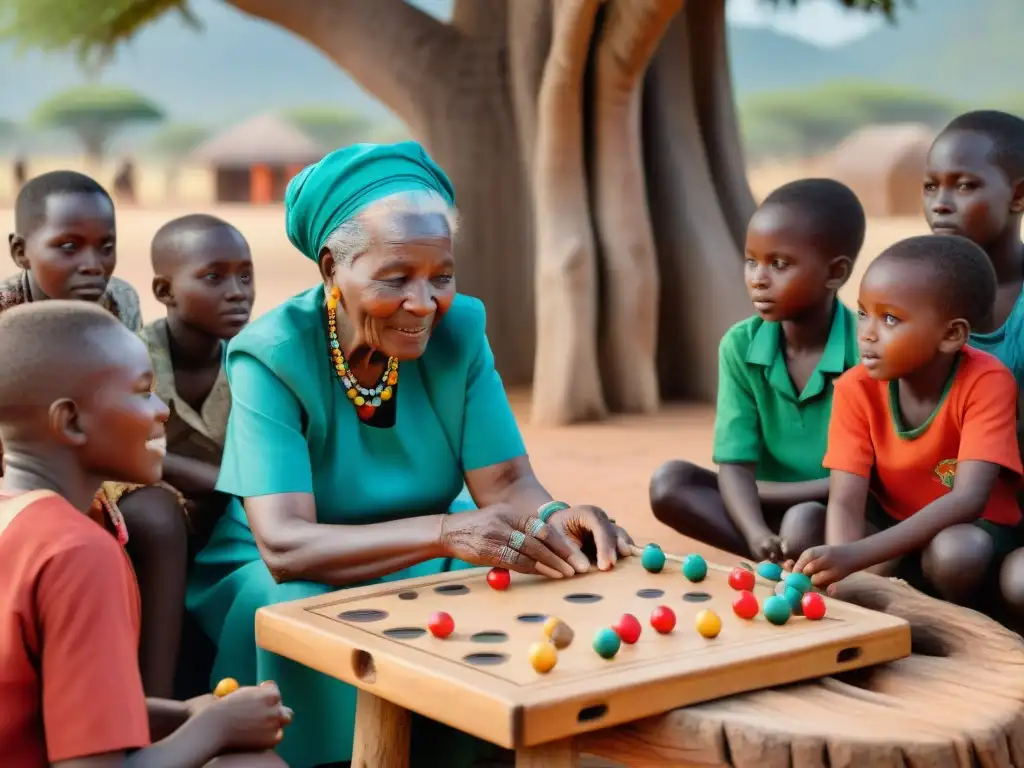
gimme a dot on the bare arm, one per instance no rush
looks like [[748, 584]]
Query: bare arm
[[511, 482], [964, 504], [165, 717], [738, 486], [296, 547], [195, 743], [847, 508], [190, 475], [788, 494]]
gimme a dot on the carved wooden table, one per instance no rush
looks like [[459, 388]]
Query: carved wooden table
[[957, 702], [479, 680]]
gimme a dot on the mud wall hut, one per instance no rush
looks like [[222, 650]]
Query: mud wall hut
[[884, 166], [254, 160]]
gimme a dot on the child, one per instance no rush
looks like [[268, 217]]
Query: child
[[69, 614], [775, 382], [203, 275], [923, 441], [974, 187], [65, 244]]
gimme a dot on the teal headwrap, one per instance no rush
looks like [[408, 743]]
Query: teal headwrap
[[328, 193]]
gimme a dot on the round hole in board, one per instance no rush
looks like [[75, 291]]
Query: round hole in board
[[593, 712], [408, 595], [486, 659], [489, 637], [531, 618], [847, 655], [696, 597], [452, 589], [363, 666], [363, 615], [650, 594], [583, 597], [405, 633]]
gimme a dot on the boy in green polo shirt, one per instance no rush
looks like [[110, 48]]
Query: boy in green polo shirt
[[776, 371]]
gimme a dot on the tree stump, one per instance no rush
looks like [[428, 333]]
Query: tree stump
[[956, 702]]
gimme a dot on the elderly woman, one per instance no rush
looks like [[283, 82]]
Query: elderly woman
[[361, 409]]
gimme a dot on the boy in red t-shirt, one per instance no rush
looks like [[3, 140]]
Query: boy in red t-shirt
[[76, 408], [923, 438]]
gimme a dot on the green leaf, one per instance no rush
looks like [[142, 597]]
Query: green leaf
[[91, 29]]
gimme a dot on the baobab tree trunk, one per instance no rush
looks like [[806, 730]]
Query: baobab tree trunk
[[700, 264], [629, 318], [567, 379], [449, 84], [497, 96], [716, 113]]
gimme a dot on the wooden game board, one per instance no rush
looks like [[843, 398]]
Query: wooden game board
[[479, 679]]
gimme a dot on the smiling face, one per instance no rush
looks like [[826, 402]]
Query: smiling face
[[72, 253], [207, 282], [786, 271], [117, 421], [900, 325], [964, 192], [396, 291]]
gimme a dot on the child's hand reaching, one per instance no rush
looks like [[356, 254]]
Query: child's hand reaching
[[767, 546], [251, 718], [826, 564]]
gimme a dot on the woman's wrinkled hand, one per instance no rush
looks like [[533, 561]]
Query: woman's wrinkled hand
[[588, 526], [503, 537]]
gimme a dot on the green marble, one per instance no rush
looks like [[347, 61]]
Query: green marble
[[652, 558], [695, 568], [769, 570], [776, 610], [801, 582], [606, 643]]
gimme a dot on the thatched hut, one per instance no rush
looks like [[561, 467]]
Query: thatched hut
[[255, 160], [884, 166]]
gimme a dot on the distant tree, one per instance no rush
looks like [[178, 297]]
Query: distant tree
[[8, 130], [171, 145], [596, 153], [330, 127], [176, 140], [95, 114], [792, 123]]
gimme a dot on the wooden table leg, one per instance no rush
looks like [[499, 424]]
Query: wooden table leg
[[383, 733], [556, 754]]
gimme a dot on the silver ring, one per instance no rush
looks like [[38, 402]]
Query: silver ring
[[507, 555], [535, 526], [516, 540]]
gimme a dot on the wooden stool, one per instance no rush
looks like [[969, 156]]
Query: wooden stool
[[957, 702]]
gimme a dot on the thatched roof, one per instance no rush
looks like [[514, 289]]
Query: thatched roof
[[877, 148], [265, 139]]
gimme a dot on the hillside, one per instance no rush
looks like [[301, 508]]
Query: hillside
[[237, 66]]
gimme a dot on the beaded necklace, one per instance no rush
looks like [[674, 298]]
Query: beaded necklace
[[365, 400]]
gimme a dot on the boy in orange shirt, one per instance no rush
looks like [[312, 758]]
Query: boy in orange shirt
[[75, 411], [922, 444]]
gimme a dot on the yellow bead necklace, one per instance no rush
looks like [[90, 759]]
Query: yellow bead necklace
[[365, 400]]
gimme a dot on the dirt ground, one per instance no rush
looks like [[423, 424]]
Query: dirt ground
[[607, 464]]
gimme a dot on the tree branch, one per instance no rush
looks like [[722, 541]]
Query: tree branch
[[566, 382], [392, 49], [482, 20], [629, 334], [529, 40]]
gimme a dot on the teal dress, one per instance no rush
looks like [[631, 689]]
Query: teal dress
[[1007, 341], [292, 429]]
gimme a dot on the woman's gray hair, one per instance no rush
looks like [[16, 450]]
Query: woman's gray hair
[[356, 235]]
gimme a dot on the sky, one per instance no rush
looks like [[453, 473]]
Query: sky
[[822, 22]]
